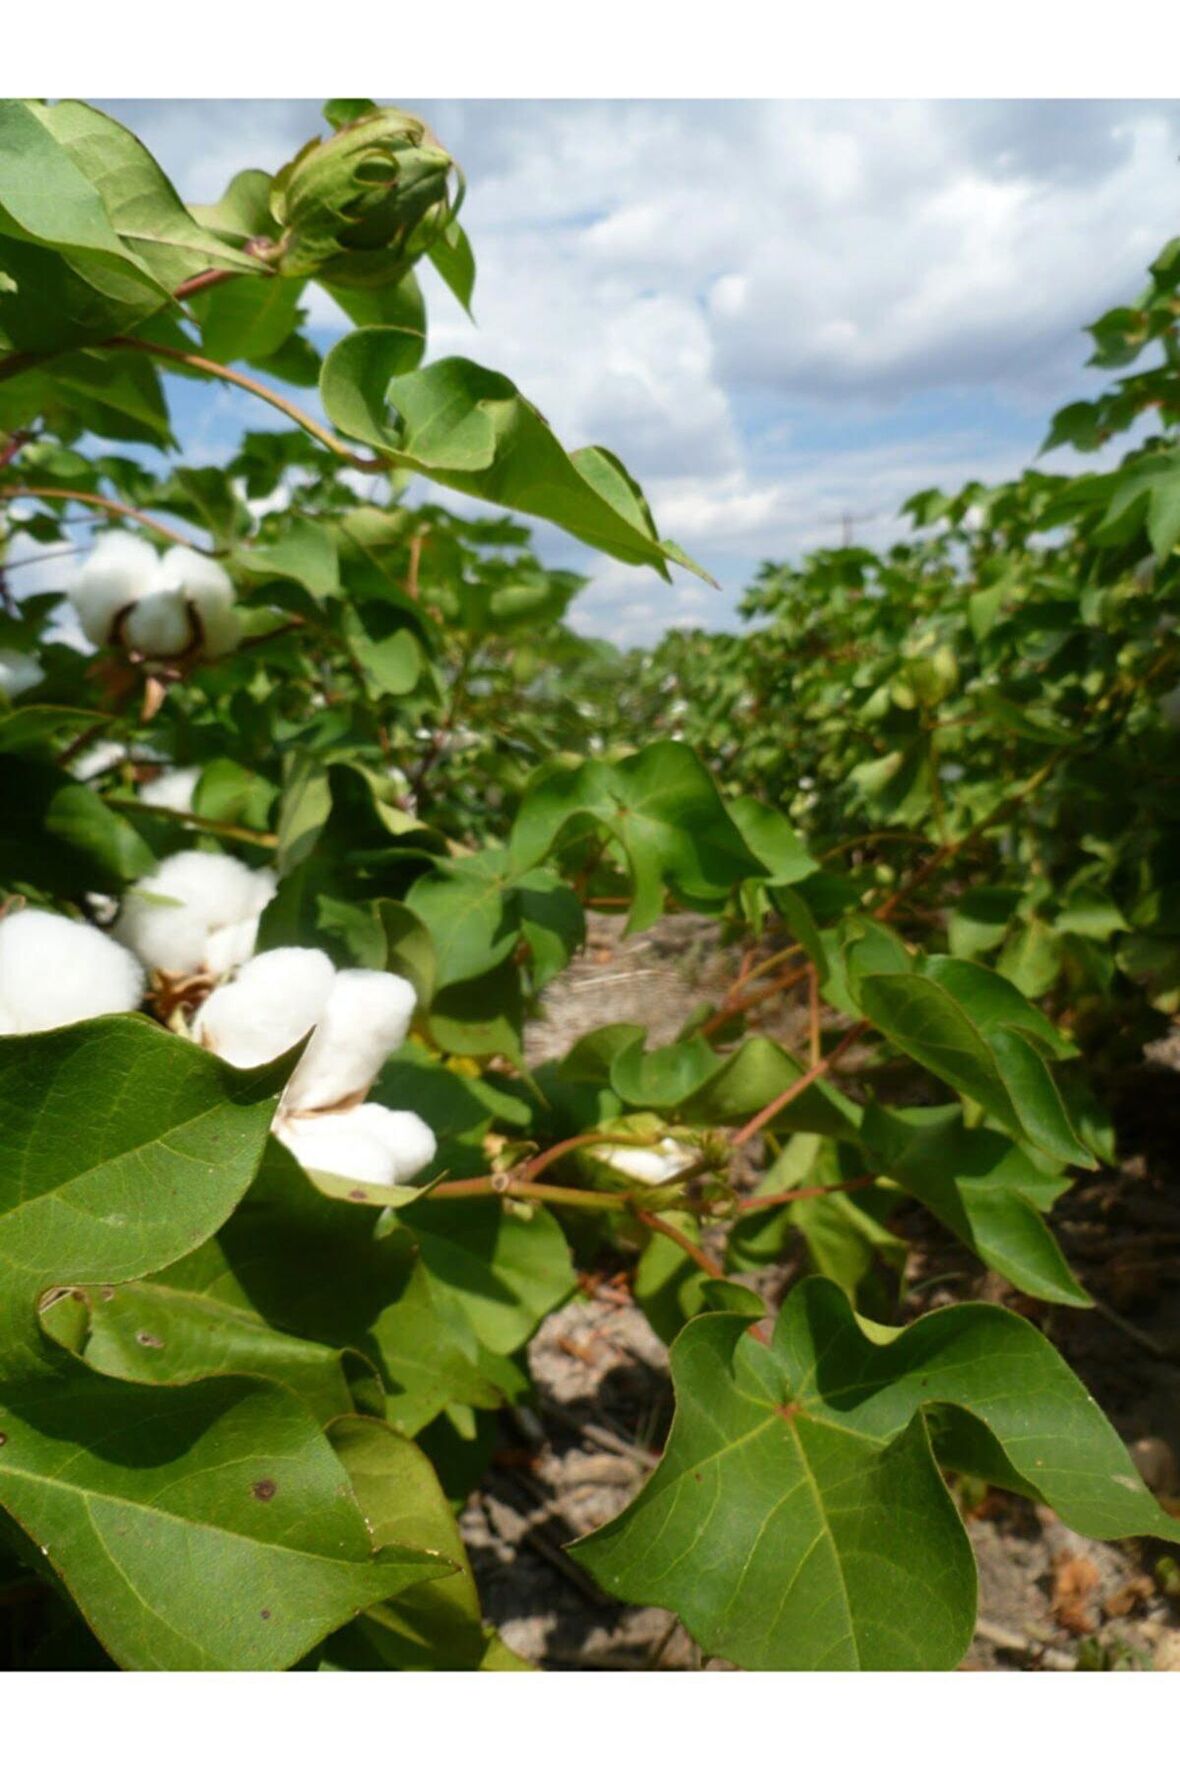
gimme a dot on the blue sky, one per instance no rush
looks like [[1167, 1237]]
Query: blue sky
[[781, 314]]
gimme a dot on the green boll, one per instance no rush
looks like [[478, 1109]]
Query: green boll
[[358, 209]]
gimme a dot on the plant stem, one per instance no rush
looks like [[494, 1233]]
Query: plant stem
[[206, 366], [752, 1127], [501, 1186], [684, 1242], [768, 1201], [109, 504], [232, 832]]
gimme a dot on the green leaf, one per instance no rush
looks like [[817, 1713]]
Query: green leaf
[[976, 1031], [152, 1505], [144, 209], [431, 1627], [306, 553], [470, 429], [124, 1146], [798, 1520], [453, 259], [248, 318], [664, 810], [505, 1272], [983, 1188]]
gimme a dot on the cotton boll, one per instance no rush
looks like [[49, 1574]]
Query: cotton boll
[[160, 625], [275, 999], [173, 790], [408, 1137], [367, 1015], [18, 673], [227, 948], [367, 1143], [211, 593], [331, 1144], [210, 921], [653, 1167], [120, 570], [54, 972]]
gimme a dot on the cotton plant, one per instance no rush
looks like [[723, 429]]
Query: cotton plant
[[162, 606], [356, 1018], [196, 914], [54, 972]]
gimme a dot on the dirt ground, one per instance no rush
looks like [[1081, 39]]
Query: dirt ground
[[1049, 1600]]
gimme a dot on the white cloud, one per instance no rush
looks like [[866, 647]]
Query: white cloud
[[750, 302]]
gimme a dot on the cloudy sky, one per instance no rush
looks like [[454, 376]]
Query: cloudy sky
[[784, 316]]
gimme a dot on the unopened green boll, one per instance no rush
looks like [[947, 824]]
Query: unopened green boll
[[359, 208]]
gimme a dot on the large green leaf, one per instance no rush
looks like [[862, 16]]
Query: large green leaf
[[202, 1528], [975, 1030], [143, 207], [123, 1147], [663, 809], [470, 429], [983, 1187], [798, 1519]]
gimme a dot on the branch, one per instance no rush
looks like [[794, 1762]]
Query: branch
[[221, 372], [684, 1242], [752, 1126], [109, 504]]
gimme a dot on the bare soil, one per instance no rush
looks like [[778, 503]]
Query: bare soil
[[1049, 1600]]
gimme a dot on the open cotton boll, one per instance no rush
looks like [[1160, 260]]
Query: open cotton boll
[[179, 918], [275, 999], [159, 625], [654, 1166], [120, 570], [54, 972], [367, 1143], [367, 1015], [173, 790], [210, 591], [18, 673]]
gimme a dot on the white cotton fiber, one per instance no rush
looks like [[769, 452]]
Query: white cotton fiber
[[173, 604], [367, 1143], [120, 570], [367, 1015], [159, 625], [275, 999], [654, 1166], [173, 789], [211, 593], [54, 972], [18, 673], [196, 912]]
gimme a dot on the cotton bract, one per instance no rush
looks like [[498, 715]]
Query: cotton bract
[[18, 673], [369, 1143], [54, 972], [196, 912], [654, 1166], [162, 607]]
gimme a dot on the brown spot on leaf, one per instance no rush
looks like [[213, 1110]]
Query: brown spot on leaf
[[3, 1439], [265, 1615], [358, 1193], [143, 1338], [790, 1411], [265, 1489]]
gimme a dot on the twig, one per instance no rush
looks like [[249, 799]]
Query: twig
[[111, 505], [752, 1127], [684, 1242], [221, 372], [769, 1201]]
